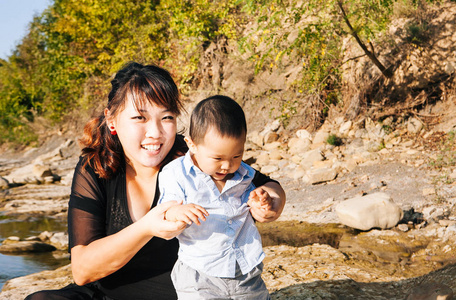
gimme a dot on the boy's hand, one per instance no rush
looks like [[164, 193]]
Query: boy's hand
[[260, 198], [188, 213]]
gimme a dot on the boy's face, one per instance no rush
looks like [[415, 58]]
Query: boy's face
[[217, 156]]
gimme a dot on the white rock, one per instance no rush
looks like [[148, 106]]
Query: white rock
[[414, 125], [345, 128], [320, 137], [298, 145], [315, 176], [269, 169], [271, 146], [376, 210], [304, 134]]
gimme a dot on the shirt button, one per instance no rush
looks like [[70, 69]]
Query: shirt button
[[230, 222]]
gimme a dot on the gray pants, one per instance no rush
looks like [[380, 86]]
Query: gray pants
[[191, 284]]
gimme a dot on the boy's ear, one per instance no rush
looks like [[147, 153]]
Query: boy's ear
[[190, 144]]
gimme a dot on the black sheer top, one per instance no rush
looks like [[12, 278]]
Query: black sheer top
[[98, 208]]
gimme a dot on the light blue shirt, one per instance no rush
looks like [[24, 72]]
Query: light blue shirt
[[229, 234]]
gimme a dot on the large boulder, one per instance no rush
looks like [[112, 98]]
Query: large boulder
[[18, 288], [376, 210]]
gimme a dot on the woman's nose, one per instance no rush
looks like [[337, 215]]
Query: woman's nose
[[154, 130]]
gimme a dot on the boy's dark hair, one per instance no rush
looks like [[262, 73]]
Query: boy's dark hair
[[220, 112]]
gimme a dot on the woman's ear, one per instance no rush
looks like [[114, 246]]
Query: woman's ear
[[108, 117], [190, 144]]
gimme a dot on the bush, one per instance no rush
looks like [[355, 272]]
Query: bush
[[334, 140]]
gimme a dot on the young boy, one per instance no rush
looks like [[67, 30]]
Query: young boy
[[221, 258]]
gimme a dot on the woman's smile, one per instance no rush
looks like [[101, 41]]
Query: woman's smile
[[151, 147]]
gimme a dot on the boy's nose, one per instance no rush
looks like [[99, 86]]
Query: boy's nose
[[226, 165]]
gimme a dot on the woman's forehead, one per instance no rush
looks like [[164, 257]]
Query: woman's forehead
[[142, 104]]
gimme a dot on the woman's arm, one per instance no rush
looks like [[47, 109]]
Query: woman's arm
[[278, 197], [94, 253], [106, 255]]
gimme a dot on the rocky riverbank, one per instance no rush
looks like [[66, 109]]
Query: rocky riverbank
[[313, 251]]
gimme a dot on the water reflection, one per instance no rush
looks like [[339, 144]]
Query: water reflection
[[12, 266], [28, 227]]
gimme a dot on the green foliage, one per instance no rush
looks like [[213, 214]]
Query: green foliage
[[15, 107], [417, 33], [73, 48], [66, 60], [334, 140]]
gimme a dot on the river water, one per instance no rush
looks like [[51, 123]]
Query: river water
[[12, 266]]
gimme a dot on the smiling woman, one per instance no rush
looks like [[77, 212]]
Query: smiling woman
[[122, 246]]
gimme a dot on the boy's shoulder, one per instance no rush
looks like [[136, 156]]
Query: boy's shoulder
[[251, 171], [174, 164]]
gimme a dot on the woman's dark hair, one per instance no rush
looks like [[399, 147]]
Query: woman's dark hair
[[143, 83], [220, 112]]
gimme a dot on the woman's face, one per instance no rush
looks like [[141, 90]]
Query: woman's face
[[146, 133]]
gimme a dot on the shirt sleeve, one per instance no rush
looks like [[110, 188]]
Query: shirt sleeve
[[260, 179], [87, 207], [170, 185]]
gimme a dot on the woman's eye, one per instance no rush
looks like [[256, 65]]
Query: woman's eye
[[168, 118], [138, 118]]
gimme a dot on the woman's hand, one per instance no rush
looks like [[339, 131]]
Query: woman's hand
[[160, 226], [106, 255], [270, 212]]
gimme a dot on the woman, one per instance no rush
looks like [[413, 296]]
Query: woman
[[122, 247]]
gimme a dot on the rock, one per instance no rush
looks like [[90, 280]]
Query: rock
[[320, 137], [304, 134], [270, 137], [376, 210], [403, 227], [272, 146], [4, 184], [41, 171], [269, 169], [315, 176], [262, 159], [256, 138], [298, 173], [60, 240], [36, 206], [431, 291], [19, 288], [275, 154], [345, 127], [414, 125], [298, 145], [26, 246], [428, 191], [309, 157]]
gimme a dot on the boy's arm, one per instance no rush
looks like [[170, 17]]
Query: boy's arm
[[274, 208], [188, 213]]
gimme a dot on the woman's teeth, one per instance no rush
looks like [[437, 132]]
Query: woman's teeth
[[151, 147]]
